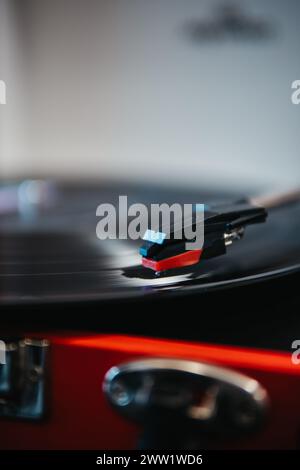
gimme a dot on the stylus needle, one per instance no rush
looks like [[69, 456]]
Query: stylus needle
[[222, 224]]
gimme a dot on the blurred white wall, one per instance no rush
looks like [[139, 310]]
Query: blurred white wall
[[116, 88], [13, 114]]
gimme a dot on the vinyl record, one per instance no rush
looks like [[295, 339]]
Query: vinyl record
[[53, 255]]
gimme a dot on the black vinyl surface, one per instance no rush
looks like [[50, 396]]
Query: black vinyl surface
[[56, 256]]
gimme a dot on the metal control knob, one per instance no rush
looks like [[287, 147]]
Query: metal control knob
[[191, 397]]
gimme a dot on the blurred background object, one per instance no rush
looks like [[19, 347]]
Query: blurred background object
[[194, 92]]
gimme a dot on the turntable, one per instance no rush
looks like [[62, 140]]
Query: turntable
[[70, 300]]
